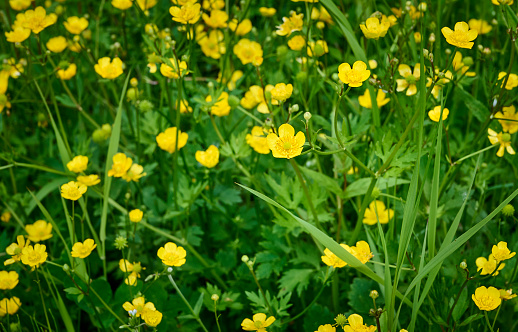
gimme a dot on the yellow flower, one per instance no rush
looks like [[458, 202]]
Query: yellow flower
[[83, 250], [487, 298], [122, 4], [354, 76], [509, 113], [57, 44], [213, 45], [138, 306], [297, 43], [409, 79], [209, 158], [78, 164], [281, 91], [15, 250], [136, 215], [66, 74], [231, 85], [20, 4], [9, 306], [241, 29], [34, 256], [217, 19], [460, 66], [152, 317], [76, 25], [36, 19], [488, 266], [462, 36], [187, 14], [167, 140], [135, 172], [504, 139], [503, 2], [287, 144], [39, 231], [259, 323], [172, 255], [377, 211], [108, 68], [171, 71], [257, 140], [221, 107], [365, 99], [249, 52], [6, 216], [356, 325], [501, 252], [255, 97], [331, 259], [326, 328], [317, 48], [134, 268], [290, 25], [512, 81], [417, 37], [267, 12], [18, 35], [89, 180], [481, 26], [8, 280], [507, 294], [362, 251], [121, 165], [73, 190], [374, 29], [435, 113], [146, 4], [211, 4]]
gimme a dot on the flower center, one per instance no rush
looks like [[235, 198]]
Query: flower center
[[411, 79], [286, 145], [506, 137]]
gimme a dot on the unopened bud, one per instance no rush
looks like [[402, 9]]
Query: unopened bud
[[432, 38], [307, 116], [463, 265], [375, 192], [374, 294], [294, 108], [214, 297], [245, 259]]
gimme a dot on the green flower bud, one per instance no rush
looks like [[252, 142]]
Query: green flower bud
[[376, 192]]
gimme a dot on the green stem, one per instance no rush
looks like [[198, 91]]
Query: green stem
[[306, 192], [474, 154], [487, 321], [43, 301], [216, 315], [197, 317]]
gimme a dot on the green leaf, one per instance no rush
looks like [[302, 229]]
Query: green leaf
[[323, 180], [461, 306], [295, 278], [72, 290], [471, 319], [359, 187], [479, 110]]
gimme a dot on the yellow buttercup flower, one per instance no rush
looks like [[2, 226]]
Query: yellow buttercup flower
[[15, 250], [267, 12], [317, 48], [108, 68], [78, 164], [146, 4], [501, 252], [488, 266], [18, 35], [75, 25], [255, 96], [8, 280], [6, 216], [377, 211], [211, 4], [209, 158], [122, 4], [66, 74], [374, 29], [221, 107], [282, 91], [462, 36], [83, 249], [171, 71], [187, 14], [504, 139], [331, 259], [73, 190], [88, 180], [167, 140], [257, 140], [241, 29], [502, 2], [508, 114], [355, 76], [259, 323], [481, 26], [217, 19], [121, 165], [507, 294], [172, 255], [409, 79], [326, 328], [297, 43], [294, 23], [362, 251], [9, 306], [57, 44], [462, 66], [487, 298], [152, 317], [36, 20], [213, 45], [365, 99], [435, 113], [138, 306], [20, 4], [39, 231], [34, 256], [417, 37], [136, 215], [512, 81], [249, 52], [355, 322], [135, 172], [287, 144]]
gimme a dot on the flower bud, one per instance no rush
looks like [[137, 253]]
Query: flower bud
[[374, 294], [508, 210], [66, 268], [422, 7], [294, 108], [463, 265], [214, 297], [375, 192], [233, 101], [307, 116], [245, 259], [169, 270], [341, 320], [432, 38]]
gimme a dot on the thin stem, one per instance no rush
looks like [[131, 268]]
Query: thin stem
[[474, 154], [306, 192], [487, 321], [197, 317], [43, 301], [216, 314]]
